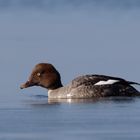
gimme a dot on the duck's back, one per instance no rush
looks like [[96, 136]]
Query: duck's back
[[89, 86]]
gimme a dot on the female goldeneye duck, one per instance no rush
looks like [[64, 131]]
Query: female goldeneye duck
[[87, 86]]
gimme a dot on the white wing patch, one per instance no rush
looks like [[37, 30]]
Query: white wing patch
[[108, 82], [68, 95]]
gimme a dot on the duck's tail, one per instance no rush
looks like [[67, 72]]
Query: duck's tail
[[133, 83], [134, 91]]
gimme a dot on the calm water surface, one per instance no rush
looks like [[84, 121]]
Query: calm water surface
[[37, 117]]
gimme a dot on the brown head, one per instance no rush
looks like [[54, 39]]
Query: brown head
[[44, 75]]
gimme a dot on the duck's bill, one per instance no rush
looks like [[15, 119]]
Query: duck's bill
[[26, 85]]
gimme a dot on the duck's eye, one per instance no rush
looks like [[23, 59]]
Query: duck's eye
[[38, 74]]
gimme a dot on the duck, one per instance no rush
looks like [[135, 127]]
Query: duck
[[82, 87]]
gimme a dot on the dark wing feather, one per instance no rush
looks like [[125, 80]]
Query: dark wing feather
[[133, 83], [93, 79]]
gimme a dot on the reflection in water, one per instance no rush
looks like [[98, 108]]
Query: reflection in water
[[44, 100], [110, 99]]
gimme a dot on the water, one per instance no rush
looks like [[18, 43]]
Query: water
[[77, 37], [39, 118]]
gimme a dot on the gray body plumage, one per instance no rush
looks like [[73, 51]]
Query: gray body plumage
[[85, 87]]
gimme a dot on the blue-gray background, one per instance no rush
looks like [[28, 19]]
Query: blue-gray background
[[78, 37]]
